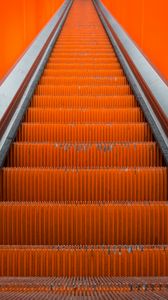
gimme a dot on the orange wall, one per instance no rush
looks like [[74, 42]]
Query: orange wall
[[20, 22], [146, 21]]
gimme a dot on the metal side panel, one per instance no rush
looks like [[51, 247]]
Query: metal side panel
[[155, 84], [10, 88]]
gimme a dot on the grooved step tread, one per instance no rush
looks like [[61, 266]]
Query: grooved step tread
[[83, 81], [81, 224], [65, 115], [83, 90], [82, 72], [84, 133], [84, 155], [84, 189], [84, 185], [83, 102], [83, 261]]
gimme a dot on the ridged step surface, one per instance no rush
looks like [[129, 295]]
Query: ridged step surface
[[78, 261], [84, 288], [84, 133], [84, 155], [38, 115], [76, 224], [84, 188], [83, 102], [84, 185]]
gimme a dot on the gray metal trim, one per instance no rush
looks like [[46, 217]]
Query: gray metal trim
[[12, 83], [151, 117], [15, 79], [154, 82]]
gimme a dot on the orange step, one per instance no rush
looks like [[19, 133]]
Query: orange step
[[82, 73], [65, 115], [85, 133], [80, 292], [84, 155], [78, 261], [83, 102], [83, 81], [87, 50], [84, 185], [81, 59], [82, 286], [82, 55], [82, 90], [76, 224], [78, 66], [84, 189]]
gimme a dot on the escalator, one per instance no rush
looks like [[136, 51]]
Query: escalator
[[84, 186]]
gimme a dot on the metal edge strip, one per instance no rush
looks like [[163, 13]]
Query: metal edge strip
[[138, 89], [26, 90], [150, 79], [14, 85]]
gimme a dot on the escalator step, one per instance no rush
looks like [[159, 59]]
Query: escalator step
[[84, 155], [120, 80], [82, 72], [83, 102], [76, 224], [81, 261], [84, 188], [83, 90], [86, 133], [89, 185], [51, 115]]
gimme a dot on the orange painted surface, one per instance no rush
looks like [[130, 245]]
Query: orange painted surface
[[146, 23], [20, 22], [84, 179]]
